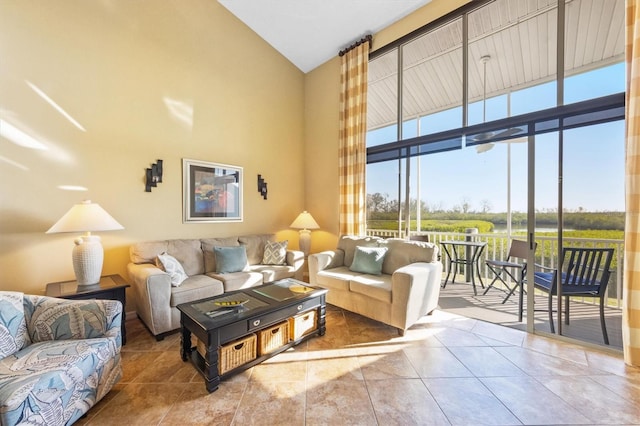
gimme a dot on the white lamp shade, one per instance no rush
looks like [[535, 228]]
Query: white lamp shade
[[87, 254], [305, 221], [85, 217]]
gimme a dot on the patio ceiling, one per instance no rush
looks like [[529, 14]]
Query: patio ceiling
[[520, 38]]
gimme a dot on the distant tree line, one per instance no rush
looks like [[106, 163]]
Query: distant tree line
[[381, 208]]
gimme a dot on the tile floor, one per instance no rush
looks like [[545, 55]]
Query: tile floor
[[447, 369]]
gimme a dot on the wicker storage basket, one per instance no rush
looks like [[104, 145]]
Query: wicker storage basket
[[302, 324], [273, 338], [236, 353], [200, 346]]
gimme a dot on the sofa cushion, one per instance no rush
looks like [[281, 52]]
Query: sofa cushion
[[368, 260], [194, 288], [147, 251], [55, 382], [348, 244], [255, 246], [275, 253], [13, 326], [273, 272], [238, 280], [230, 259], [50, 318], [337, 278], [378, 287], [171, 266], [208, 244], [402, 253], [188, 253]]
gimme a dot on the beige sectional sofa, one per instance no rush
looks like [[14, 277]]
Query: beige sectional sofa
[[407, 287], [157, 298]]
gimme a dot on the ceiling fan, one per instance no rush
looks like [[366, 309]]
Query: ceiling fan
[[489, 135]]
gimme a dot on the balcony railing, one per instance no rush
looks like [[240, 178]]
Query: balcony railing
[[546, 255]]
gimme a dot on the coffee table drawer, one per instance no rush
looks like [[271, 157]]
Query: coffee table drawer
[[277, 316], [232, 331]]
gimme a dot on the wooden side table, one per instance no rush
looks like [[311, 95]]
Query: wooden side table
[[110, 287]]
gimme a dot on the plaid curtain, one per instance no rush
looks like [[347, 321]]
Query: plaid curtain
[[631, 283], [353, 150]]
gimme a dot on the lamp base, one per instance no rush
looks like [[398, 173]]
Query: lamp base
[[87, 256], [305, 241]]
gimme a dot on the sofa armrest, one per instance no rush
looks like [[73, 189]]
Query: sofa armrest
[[324, 260], [415, 289], [50, 318], [295, 258], [153, 296]]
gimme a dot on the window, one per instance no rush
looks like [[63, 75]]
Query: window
[[468, 104]]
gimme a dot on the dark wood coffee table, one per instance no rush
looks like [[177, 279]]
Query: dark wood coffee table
[[264, 306]]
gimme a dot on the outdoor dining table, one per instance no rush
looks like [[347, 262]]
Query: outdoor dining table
[[463, 252]]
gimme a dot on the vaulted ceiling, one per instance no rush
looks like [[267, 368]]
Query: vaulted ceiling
[[517, 38], [310, 32]]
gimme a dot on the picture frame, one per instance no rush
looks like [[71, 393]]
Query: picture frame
[[212, 192]]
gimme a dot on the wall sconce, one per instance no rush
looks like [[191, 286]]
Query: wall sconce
[[153, 176], [262, 187]]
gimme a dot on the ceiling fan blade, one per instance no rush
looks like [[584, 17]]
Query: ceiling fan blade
[[483, 136], [509, 132], [484, 147]]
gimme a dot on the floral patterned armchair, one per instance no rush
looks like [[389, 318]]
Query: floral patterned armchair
[[58, 357]]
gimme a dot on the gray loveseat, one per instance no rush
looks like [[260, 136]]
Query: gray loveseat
[[157, 298], [407, 288]]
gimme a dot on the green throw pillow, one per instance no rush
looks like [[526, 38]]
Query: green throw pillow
[[230, 259], [368, 260]]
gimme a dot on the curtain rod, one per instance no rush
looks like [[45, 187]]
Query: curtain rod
[[364, 39]]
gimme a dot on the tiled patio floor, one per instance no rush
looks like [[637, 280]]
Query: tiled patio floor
[[584, 324]]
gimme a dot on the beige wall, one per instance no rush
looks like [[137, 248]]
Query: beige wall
[[114, 66], [322, 91]]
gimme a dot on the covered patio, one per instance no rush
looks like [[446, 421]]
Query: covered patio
[[458, 298]]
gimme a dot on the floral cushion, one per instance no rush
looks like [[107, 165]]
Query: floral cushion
[[13, 327], [49, 318], [57, 382]]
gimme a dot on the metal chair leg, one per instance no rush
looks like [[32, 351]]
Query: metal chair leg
[[553, 328], [602, 323], [492, 282], [446, 280]]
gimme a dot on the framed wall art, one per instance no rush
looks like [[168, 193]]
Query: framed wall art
[[212, 192]]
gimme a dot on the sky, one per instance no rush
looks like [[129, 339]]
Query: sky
[[593, 175]]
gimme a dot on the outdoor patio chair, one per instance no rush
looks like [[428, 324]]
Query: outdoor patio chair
[[585, 274], [516, 271]]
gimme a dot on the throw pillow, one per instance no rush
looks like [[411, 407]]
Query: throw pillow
[[173, 267], [368, 260], [275, 253], [230, 259]]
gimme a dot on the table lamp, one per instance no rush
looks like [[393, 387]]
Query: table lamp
[[304, 222], [88, 253]]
